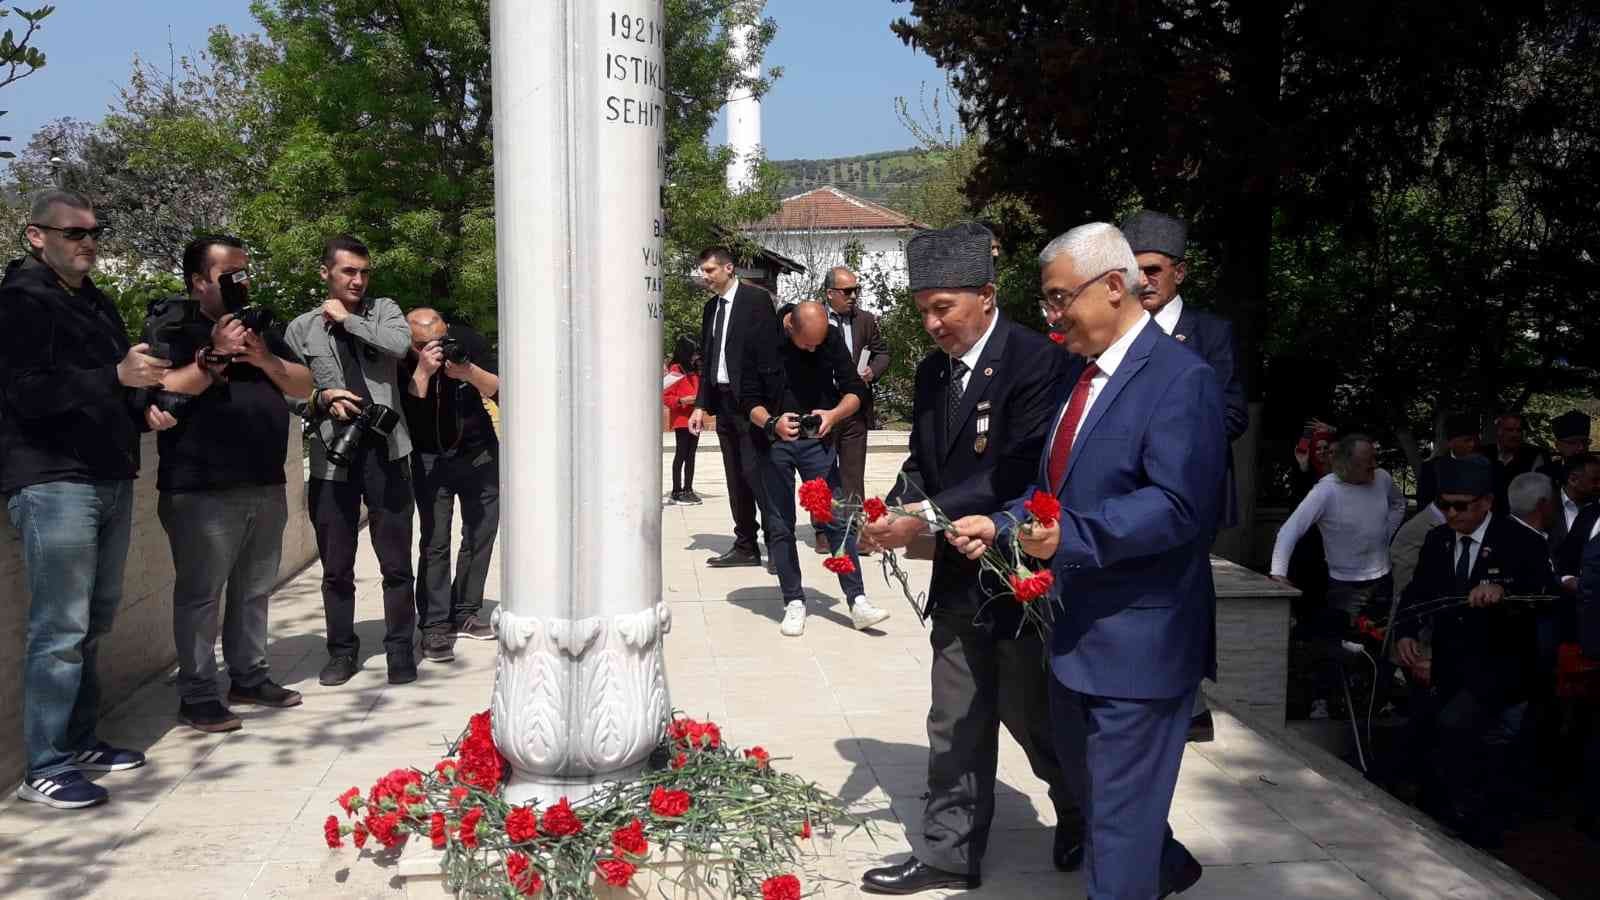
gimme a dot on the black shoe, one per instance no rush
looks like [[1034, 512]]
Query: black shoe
[[1186, 878], [267, 693], [339, 669], [474, 628], [439, 648], [690, 497], [772, 567], [402, 666], [735, 558], [209, 716], [1067, 853], [1201, 731], [912, 876]]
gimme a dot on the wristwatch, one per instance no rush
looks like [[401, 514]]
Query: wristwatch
[[771, 428]]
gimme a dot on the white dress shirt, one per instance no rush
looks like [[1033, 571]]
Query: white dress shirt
[[1357, 522], [1476, 546], [971, 357], [1167, 316], [1107, 362], [722, 349], [1569, 508]]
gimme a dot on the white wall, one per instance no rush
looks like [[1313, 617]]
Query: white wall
[[819, 251]]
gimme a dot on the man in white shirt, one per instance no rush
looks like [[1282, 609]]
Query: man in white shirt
[[1358, 508]]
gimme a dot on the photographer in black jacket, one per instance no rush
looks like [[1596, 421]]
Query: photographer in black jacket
[[70, 417], [223, 503], [456, 455]]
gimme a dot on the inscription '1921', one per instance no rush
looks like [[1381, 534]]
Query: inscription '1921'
[[636, 28]]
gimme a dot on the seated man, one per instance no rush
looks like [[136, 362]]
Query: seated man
[[808, 375], [1485, 650]]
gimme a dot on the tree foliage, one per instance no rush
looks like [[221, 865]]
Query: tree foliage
[[18, 57]]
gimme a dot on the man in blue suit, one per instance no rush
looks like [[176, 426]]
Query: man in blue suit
[[1137, 458]]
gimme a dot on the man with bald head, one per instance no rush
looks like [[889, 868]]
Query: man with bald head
[[796, 392], [448, 373]]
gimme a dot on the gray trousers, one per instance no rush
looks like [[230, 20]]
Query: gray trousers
[[226, 545], [979, 683]]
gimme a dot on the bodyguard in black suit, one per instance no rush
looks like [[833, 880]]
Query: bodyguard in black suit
[[1485, 651], [735, 317], [984, 402]]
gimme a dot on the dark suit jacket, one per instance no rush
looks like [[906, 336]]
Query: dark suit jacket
[[1017, 377], [1212, 337], [1136, 618], [866, 335], [1493, 652], [751, 322]]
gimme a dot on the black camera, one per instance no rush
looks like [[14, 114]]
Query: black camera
[[374, 418], [454, 351], [809, 425], [236, 300]]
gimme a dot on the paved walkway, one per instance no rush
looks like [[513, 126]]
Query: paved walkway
[[238, 815]]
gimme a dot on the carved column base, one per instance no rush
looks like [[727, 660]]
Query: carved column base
[[578, 703]]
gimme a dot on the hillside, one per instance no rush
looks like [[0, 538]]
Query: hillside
[[872, 176]]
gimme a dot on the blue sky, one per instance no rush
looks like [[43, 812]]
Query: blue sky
[[843, 67]]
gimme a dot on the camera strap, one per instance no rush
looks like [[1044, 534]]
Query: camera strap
[[350, 362]]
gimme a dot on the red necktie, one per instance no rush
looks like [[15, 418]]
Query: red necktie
[[1061, 450]]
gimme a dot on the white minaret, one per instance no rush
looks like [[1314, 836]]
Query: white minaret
[[744, 112]]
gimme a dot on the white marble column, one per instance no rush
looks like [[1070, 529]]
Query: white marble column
[[743, 111], [580, 691]]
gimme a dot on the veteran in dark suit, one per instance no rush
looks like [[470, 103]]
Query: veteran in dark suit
[[983, 403], [1137, 455], [1571, 431], [869, 357], [736, 316], [1160, 244], [1485, 650]]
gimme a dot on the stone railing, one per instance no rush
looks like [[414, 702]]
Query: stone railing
[[139, 647]]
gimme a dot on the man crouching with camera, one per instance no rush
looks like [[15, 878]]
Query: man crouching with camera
[[359, 451], [457, 455], [221, 479], [805, 386]]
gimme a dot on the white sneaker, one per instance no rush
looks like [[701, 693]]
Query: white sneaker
[[864, 615], [794, 619]]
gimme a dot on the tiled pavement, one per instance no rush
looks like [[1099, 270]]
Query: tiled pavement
[[238, 815]]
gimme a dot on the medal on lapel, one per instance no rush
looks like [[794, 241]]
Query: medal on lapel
[[982, 428], [1182, 338]]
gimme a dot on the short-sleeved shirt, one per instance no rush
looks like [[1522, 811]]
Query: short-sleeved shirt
[[452, 418], [236, 434]]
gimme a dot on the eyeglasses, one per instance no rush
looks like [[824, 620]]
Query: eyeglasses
[[1058, 301], [1459, 506], [849, 291], [73, 234]]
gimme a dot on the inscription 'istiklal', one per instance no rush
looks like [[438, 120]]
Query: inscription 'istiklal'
[[637, 63]]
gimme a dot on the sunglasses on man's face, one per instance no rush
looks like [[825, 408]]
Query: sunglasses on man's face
[[73, 234], [1459, 506], [848, 292]]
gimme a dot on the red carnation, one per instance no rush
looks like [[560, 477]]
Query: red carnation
[[617, 872], [1058, 337], [817, 499], [762, 757], [524, 877], [522, 824], [839, 565], [697, 735], [630, 839], [469, 827], [781, 887], [436, 830], [358, 832], [351, 801], [481, 765], [681, 760], [805, 830], [560, 821], [1031, 586], [669, 804], [457, 794], [330, 832], [875, 509], [446, 769], [385, 829], [1044, 508]]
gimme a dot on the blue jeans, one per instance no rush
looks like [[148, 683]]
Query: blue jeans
[[74, 547], [809, 459]]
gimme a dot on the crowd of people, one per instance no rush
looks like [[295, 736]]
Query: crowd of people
[[393, 404]]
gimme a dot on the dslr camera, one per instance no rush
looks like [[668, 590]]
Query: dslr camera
[[374, 418], [236, 300], [809, 425], [454, 351]]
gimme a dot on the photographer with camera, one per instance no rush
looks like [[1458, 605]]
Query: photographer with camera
[[221, 482], [449, 372], [802, 389], [359, 451]]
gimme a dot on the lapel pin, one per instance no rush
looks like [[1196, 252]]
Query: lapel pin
[[1182, 338], [988, 372], [981, 444]]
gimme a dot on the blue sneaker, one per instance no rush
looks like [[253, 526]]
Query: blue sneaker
[[106, 758], [66, 790]]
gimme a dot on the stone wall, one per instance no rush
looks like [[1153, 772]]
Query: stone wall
[[139, 647]]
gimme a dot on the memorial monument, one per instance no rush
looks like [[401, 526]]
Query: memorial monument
[[580, 692]]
